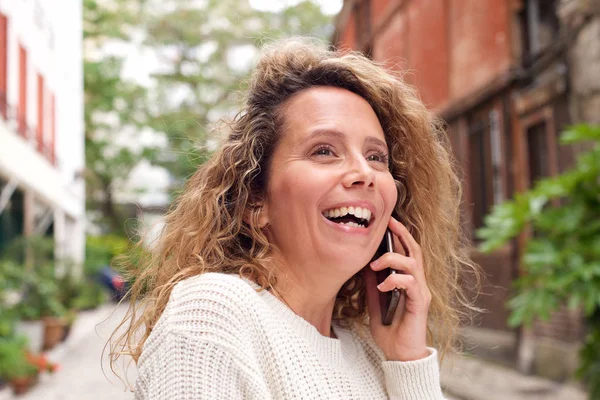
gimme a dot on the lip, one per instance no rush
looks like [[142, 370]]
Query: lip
[[350, 229]]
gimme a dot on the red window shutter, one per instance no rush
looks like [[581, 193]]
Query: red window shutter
[[3, 64], [22, 107], [40, 114], [52, 129]]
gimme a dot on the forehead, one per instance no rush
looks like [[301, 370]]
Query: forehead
[[329, 108]]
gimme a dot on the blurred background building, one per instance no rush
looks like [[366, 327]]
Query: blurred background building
[[507, 76], [41, 124]]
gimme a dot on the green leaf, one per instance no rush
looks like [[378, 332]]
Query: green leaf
[[580, 133]]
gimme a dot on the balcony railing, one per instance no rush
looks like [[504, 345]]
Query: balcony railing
[[17, 122]]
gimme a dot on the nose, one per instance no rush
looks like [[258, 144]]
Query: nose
[[359, 174]]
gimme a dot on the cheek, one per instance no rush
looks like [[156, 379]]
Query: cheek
[[389, 193], [289, 194]]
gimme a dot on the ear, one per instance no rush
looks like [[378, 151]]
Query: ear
[[263, 216], [259, 208]]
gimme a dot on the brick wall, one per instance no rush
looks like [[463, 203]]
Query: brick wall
[[453, 51], [428, 52], [479, 37], [449, 48]]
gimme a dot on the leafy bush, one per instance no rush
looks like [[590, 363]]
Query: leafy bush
[[562, 260], [119, 253], [90, 296], [69, 288], [101, 250], [7, 322], [40, 298], [37, 290], [13, 359], [40, 248], [11, 281]]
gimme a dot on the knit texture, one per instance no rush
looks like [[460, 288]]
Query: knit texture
[[218, 338]]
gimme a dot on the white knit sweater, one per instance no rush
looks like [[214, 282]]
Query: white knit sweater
[[219, 338]]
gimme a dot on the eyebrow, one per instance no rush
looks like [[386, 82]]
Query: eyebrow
[[339, 135]]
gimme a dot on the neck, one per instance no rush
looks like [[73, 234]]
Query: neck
[[311, 299]]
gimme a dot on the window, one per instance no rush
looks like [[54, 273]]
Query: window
[[537, 152], [22, 108], [539, 27], [52, 129], [485, 162], [480, 171], [540, 156], [3, 65], [40, 114]]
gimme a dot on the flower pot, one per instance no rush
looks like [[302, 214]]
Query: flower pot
[[23, 384], [54, 329], [34, 331]]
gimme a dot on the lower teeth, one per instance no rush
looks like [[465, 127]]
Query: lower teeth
[[354, 224]]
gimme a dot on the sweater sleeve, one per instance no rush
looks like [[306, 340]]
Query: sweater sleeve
[[184, 368], [413, 380]]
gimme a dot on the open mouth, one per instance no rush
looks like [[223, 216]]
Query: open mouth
[[357, 217]]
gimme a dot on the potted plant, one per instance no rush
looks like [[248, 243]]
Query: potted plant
[[14, 365], [69, 289], [40, 303], [52, 312], [41, 363]]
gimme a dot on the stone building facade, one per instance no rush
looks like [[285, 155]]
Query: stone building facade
[[507, 76], [42, 158]]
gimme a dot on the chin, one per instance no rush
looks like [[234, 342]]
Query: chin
[[350, 267]]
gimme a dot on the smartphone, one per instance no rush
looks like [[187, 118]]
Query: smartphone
[[388, 301]]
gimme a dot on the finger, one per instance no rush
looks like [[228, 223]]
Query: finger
[[407, 282], [414, 251], [407, 240], [372, 295], [396, 261]]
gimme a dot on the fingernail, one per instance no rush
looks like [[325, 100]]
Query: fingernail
[[373, 264], [380, 286]]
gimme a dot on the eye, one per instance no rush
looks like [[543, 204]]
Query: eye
[[323, 150], [378, 156]]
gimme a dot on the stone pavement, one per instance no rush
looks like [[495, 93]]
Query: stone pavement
[[471, 378], [81, 362]]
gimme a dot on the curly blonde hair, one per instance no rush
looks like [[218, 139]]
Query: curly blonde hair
[[213, 225]]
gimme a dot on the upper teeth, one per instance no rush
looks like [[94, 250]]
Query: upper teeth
[[358, 212]]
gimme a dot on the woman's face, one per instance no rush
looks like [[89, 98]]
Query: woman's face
[[330, 193]]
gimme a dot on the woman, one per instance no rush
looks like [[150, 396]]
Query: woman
[[261, 285]]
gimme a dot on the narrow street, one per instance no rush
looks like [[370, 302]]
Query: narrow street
[[80, 375]]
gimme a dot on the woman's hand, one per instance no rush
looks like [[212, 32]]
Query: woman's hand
[[405, 338]]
